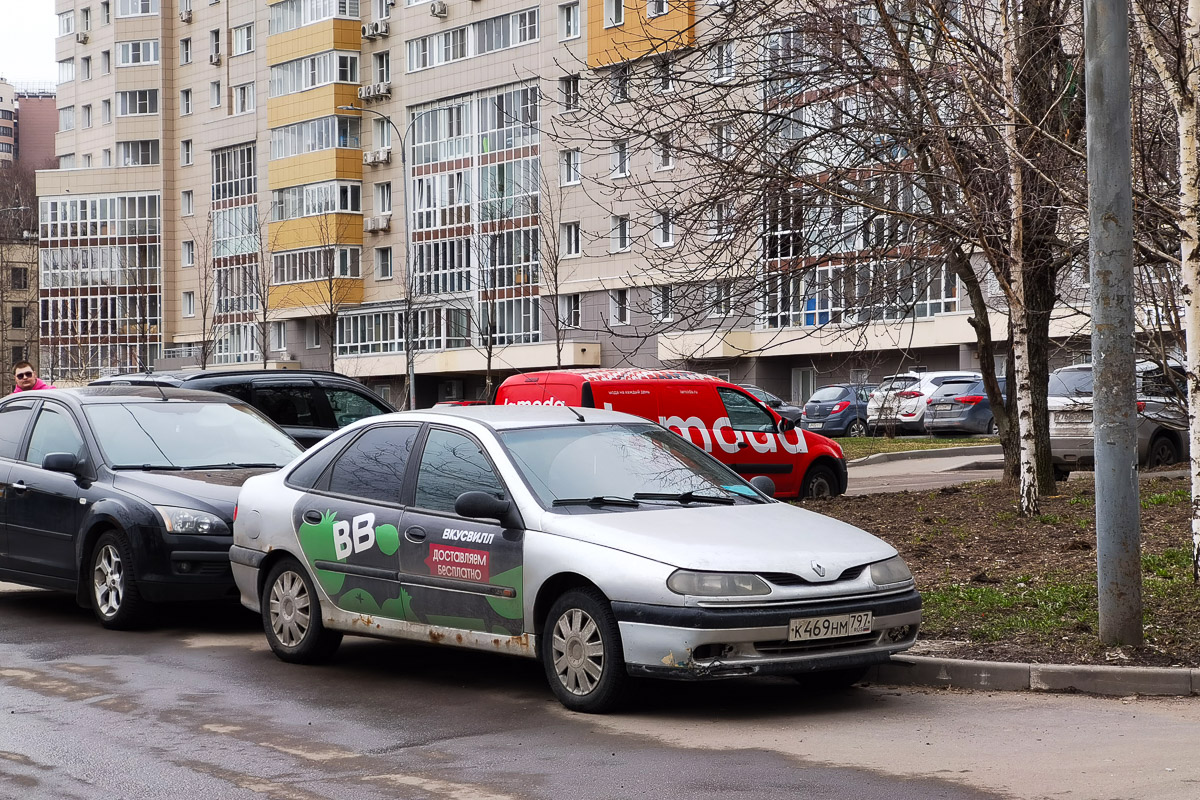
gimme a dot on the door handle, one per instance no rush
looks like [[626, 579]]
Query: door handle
[[415, 534], [742, 445], [19, 486], [312, 516]]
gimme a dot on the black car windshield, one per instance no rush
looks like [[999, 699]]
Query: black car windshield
[[188, 435], [636, 462], [827, 394]]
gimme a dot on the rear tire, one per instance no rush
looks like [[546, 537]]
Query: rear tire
[[291, 615], [1162, 452], [857, 428], [115, 597], [992, 428], [819, 481], [582, 654]]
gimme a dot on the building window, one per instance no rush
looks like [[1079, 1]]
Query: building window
[[614, 13], [85, 68], [243, 98], [620, 234], [568, 21], [278, 335], [619, 81], [664, 152], [106, 111], [187, 203], [383, 263], [185, 50], [19, 278], [665, 76], [188, 253], [105, 12], [571, 244], [106, 157], [618, 306], [664, 233], [105, 62], [66, 70], [570, 167], [243, 39], [140, 153], [717, 299], [312, 334], [185, 102], [570, 310], [383, 198], [136, 8], [189, 304], [383, 67], [214, 94], [66, 118], [568, 93], [18, 317], [135, 54], [721, 222], [66, 23], [723, 56], [185, 152], [656, 8], [214, 42], [620, 158], [664, 303], [136, 103]]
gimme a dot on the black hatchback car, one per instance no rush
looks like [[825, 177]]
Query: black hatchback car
[[125, 495], [308, 404]]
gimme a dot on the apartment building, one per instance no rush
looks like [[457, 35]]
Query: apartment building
[[350, 184]]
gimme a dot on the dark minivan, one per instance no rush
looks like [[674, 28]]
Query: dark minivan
[[308, 404]]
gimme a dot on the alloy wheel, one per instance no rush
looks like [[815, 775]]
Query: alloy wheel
[[578, 651], [108, 580]]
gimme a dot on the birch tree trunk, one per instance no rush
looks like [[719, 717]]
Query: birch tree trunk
[[1027, 461], [1189, 249]]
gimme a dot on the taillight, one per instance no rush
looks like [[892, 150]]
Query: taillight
[[908, 395], [840, 407], [1141, 406], [969, 399]]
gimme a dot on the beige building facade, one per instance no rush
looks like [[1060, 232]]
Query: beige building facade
[[350, 183]]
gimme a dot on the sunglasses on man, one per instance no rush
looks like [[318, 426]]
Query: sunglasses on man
[[24, 374]]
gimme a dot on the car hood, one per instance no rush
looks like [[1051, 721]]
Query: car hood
[[215, 488], [772, 537]]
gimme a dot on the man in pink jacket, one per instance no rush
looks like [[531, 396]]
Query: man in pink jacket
[[26, 378]]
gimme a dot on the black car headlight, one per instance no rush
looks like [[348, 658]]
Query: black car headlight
[[894, 570], [717, 584], [190, 520]]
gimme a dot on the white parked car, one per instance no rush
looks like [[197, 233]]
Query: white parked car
[[600, 543], [900, 400]]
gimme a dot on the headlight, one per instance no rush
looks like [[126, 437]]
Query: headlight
[[716, 584], [894, 570], [189, 520]]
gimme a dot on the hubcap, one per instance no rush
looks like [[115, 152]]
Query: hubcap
[[578, 650], [108, 580], [289, 607]]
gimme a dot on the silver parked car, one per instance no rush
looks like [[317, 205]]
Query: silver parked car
[[602, 544]]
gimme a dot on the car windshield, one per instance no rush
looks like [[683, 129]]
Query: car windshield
[[608, 463], [188, 435], [827, 394], [1070, 383]]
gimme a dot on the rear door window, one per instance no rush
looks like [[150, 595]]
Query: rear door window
[[372, 468], [288, 404]]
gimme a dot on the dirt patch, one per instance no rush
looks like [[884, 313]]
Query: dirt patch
[[1003, 587]]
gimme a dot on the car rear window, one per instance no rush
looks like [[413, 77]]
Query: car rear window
[[953, 388], [1070, 383], [897, 383], [827, 394]]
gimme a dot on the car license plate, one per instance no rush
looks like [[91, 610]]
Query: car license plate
[[806, 628], [815, 425]]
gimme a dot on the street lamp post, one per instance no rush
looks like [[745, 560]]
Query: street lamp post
[[409, 359]]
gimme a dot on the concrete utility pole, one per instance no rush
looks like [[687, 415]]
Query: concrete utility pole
[[1114, 394]]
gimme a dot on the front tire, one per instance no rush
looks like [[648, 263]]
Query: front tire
[[582, 654], [291, 615], [115, 597], [819, 481]]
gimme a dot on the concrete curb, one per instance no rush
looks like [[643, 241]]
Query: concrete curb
[[1000, 676], [940, 452]]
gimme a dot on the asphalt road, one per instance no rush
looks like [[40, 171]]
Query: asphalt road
[[198, 707], [920, 474]]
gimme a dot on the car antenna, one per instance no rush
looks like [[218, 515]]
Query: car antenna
[[575, 411], [147, 370]]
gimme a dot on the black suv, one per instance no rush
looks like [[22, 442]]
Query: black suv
[[308, 404], [125, 495]]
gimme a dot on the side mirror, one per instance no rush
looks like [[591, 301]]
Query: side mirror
[[481, 505], [786, 425], [775, 403], [763, 484], [61, 462]]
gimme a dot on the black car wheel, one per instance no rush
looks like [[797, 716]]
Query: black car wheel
[[857, 428], [115, 597], [1162, 452], [581, 653], [291, 615], [819, 481], [992, 428]]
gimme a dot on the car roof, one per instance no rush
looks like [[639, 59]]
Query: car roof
[[623, 374], [185, 375], [98, 395], [512, 416]]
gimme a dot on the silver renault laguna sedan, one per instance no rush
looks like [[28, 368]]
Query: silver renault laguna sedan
[[600, 543]]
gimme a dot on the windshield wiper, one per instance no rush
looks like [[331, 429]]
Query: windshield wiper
[[237, 465], [685, 497], [599, 500], [146, 466]]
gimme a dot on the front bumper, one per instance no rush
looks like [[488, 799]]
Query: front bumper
[[182, 567], [697, 643]]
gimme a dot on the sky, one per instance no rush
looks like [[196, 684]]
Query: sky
[[27, 32]]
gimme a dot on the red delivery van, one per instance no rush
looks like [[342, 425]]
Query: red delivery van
[[723, 419]]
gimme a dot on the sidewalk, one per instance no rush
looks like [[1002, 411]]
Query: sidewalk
[[917, 469]]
